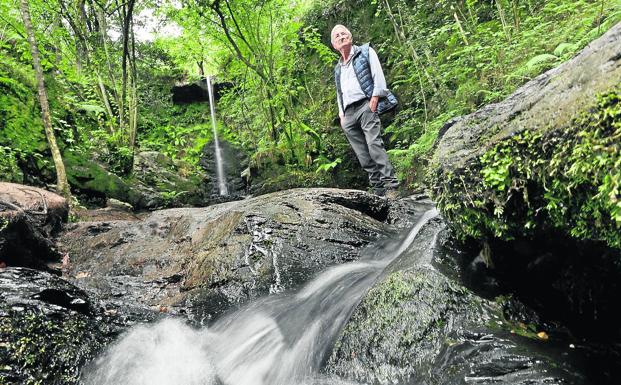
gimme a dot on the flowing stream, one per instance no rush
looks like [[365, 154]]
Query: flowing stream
[[219, 162], [278, 340]]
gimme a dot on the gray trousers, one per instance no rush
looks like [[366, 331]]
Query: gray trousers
[[362, 128]]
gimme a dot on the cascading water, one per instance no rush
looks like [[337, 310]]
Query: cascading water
[[278, 340], [219, 162]]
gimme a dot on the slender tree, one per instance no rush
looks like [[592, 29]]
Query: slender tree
[[62, 186]]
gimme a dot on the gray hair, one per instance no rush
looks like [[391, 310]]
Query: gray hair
[[334, 29]]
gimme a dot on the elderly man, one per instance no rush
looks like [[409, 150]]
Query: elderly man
[[361, 96]]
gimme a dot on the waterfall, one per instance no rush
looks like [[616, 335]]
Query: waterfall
[[219, 162], [278, 340]]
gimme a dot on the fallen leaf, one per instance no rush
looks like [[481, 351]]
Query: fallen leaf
[[542, 336], [65, 265], [83, 274]]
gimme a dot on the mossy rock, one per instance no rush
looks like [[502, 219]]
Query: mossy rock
[[165, 182], [420, 326], [91, 178], [544, 160], [48, 329]]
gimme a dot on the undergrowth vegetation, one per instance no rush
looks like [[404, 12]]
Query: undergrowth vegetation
[[110, 95], [567, 180]]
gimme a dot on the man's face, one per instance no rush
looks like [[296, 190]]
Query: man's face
[[341, 38]]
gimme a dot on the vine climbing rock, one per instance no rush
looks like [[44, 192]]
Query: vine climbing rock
[[29, 216]]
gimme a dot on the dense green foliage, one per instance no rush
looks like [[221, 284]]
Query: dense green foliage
[[274, 61], [566, 179]]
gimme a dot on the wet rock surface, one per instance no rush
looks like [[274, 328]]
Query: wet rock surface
[[48, 328], [202, 261], [419, 325], [235, 164]]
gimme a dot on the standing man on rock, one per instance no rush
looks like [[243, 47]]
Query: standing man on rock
[[361, 96]]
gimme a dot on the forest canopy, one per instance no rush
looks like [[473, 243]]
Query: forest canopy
[[109, 67]]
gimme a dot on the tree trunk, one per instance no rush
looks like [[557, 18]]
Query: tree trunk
[[127, 10], [101, 19], [62, 186], [133, 96]]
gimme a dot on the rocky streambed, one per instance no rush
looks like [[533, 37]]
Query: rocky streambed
[[421, 322]]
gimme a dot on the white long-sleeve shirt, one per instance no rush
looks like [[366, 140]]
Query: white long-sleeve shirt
[[350, 87]]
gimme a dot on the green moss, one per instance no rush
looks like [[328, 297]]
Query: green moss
[[386, 312], [567, 179], [40, 349], [87, 175], [292, 179]]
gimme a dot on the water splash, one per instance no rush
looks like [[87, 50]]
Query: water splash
[[219, 161], [165, 353], [278, 340]]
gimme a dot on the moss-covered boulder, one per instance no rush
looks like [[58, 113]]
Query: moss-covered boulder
[[156, 181], [48, 329], [91, 179], [420, 325], [545, 160], [163, 182]]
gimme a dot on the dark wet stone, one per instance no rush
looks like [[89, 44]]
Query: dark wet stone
[[48, 328], [29, 216], [418, 326], [202, 261], [235, 164]]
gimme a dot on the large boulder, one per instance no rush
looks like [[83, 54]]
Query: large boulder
[[419, 324], [203, 260], [536, 179], [48, 328], [29, 216], [544, 159]]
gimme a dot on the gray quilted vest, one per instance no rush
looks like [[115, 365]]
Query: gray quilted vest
[[360, 61]]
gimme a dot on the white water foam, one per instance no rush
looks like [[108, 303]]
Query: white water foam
[[168, 352], [278, 340]]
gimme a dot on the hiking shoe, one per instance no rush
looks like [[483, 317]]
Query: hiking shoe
[[392, 194]]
